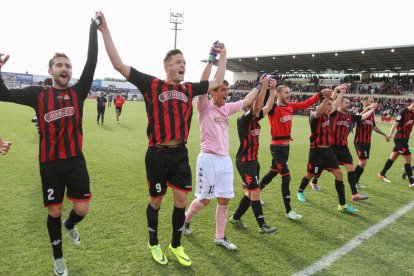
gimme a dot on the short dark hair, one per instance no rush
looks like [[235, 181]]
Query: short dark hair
[[170, 54], [55, 56]]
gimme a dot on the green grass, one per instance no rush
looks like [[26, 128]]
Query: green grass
[[114, 235]]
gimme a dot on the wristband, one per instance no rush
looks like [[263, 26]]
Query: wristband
[[258, 86]]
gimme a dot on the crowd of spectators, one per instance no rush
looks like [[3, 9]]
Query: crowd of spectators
[[386, 106], [395, 85]]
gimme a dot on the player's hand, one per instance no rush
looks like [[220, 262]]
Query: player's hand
[[327, 93], [387, 138], [100, 21], [4, 59], [341, 88], [273, 83], [4, 147], [219, 48]]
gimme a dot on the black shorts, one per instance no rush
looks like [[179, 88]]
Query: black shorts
[[70, 173], [343, 155], [249, 172], [401, 146], [118, 109], [321, 159], [362, 150], [167, 165], [280, 156], [101, 109]]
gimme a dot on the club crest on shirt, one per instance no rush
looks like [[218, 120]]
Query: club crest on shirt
[[60, 113], [221, 120], [326, 123], [255, 132], [172, 94], [343, 123], [286, 118]]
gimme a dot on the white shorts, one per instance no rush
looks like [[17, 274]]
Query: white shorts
[[214, 176]]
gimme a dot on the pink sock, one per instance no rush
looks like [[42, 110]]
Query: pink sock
[[195, 207], [221, 220]]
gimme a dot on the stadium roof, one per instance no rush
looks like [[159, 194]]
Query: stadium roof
[[374, 60]]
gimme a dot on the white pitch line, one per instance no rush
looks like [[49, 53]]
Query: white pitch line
[[352, 244]]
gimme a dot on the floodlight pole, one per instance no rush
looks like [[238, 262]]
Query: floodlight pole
[[176, 18]]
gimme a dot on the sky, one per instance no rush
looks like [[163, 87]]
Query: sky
[[32, 31]]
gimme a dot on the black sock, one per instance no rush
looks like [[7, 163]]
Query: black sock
[[152, 222], [352, 182], [286, 192], [54, 227], [315, 180], [387, 166], [73, 219], [258, 212], [267, 179], [243, 206], [358, 172], [178, 218], [409, 172], [303, 184], [340, 189]]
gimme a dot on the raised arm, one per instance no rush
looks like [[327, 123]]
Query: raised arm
[[370, 111], [221, 68], [86, 79], [110, 47], [366, 109], [267, 82], [321, 108], [251, 97], [271, 100], [339, 91], [24, 96]]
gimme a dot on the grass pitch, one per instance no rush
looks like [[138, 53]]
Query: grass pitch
[[114, 235]]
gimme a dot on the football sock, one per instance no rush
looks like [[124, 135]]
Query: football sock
[[178, 217], [221, 220], [303, 184], [358, 172], [152, 222], [387, 166], [409, 172], [340, 189], [54, 227], [195, 207], [73, 219], [352, 182], [267, 179], [286, 192], [258, 212], [243, 206]]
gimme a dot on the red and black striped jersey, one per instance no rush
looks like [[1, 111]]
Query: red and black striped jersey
[[248, 128], [169, 107], [363, 129], [59, 112], [321, 130], [341, 126], [280, 118], [405, 120]]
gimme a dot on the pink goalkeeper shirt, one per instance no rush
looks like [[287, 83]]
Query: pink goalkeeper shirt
[[214, 125]]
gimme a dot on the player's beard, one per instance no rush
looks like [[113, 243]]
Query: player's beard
[[60, 83]]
